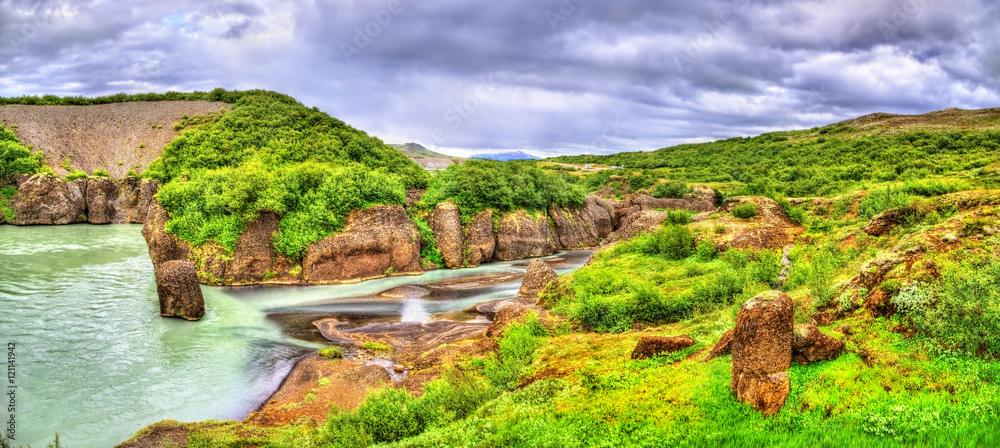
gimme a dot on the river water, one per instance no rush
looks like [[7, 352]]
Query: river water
[[96, 362]]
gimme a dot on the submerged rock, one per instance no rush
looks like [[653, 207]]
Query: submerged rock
[[376, 242], [45, 200], [762, 351], [650, 346], [179, 291], [538, 275]]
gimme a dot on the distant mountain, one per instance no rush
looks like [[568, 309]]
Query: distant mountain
[[418, 151], [506, 156]]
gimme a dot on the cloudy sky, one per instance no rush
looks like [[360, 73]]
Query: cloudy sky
[[544, 76]]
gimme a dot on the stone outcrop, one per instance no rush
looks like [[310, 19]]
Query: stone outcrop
[[650, 346], [770, 229], [884, 222], [585, 227], [163, 247], [446, 222], [538, 275], [253, 260], [515, 311], [480, 242], [522, 236], [762, 351], [723, 347], [45, 200], [135, 197], [811, 345], [179, 290], [376, 242], [102, 193]]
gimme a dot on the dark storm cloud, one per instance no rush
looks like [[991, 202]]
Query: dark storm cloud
[[548, 76]]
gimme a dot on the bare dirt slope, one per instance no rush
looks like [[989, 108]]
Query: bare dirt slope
[[947, 118], [114, 137]]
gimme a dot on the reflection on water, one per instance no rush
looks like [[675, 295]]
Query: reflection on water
[[97, 362]]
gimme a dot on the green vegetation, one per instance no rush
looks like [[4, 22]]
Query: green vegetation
[[6, 210], [745, 211], [101, 173], [377, 347], [271, 153], [223, 95], [15, 158], [429, 250], [76, 175], [670, 189], [503, 186], [331, 353]]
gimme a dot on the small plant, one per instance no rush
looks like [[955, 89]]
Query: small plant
[[309, 397], [912, 300], [377, 347], [131, 173], [719, 229], [745, 211], [389, 271], [323, 382], [670, 189], [331, 353], [101, 173], [66, 166], [706, 250], [142, 145], [679, 217]]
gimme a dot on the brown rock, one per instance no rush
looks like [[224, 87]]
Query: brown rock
[[584, 227], [884, 222], [770, 229], [147, 200], [637, 223], [762, 351], [44, 200], [254, 257], [163, 247], [179, 291], [811, 345], [376, 242], [515, 312], [446, 222], [650, 346], [723, 347], [522, 236], [538, 275], [480, 241], [127, 202], [102, 193]]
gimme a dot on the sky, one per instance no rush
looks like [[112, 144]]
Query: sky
[[544, 76]]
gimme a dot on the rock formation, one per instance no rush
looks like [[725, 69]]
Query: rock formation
[[650, 346], [762, 351], [811, 345], [163, 247], [480, 242], [523, 236], [376, 242], [538, 275], [44, 200], [585, 227], [179, 290], [102, 193], [770, 229], [446, 222]]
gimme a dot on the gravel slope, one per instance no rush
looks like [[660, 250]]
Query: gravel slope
[[115, 137]]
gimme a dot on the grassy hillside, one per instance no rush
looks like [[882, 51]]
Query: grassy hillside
[[832, 159], [417, 151]]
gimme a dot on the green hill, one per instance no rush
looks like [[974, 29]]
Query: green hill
[[417, 151]]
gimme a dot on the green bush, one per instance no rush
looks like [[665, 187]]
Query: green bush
[[6, 210], [706, 250], [331, 353], [745, 211], [670, 189], [680, 217], [101, 173], [517, 349], [962, 313], [76, 175], [429, 250], [477, 185], [15, 158], [878, 201], [675, 242]]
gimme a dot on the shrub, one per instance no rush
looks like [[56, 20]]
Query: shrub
[[706, 250], [670, 189], [517, 350], [964, 313], [745, 211], [15, 158], [76, 175], [101, 173], [428, 248], [679, 217], [6, 210], [674, 242], [878, 201], [331, 353], [912, 300], [377, 347]]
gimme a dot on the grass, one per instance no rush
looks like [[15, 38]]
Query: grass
[[377, 347], [331, 353]]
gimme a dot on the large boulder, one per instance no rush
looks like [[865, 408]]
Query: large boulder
[[376, 242], [253, 261], [650, 346], [102, 192], [884, 222], [538, 275], [633, 225], [179, 291], [520, 235], [723, 347], [480, 241], [127, 201], [762, 351], [44, 200], [584, 227], [446, 222], [811, 345], [163, 247]]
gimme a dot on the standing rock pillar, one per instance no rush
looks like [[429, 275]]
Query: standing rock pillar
[[762, 351]]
